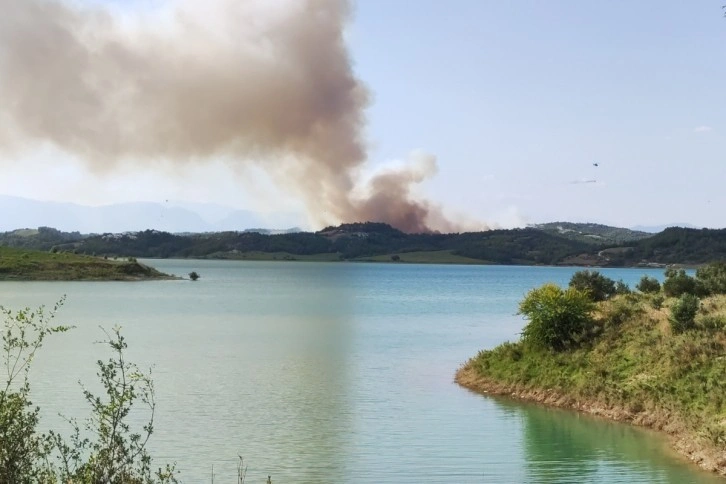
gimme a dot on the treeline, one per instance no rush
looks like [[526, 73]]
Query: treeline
[[528, 246]]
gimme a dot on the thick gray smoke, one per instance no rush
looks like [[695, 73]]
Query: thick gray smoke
[[259, 81]]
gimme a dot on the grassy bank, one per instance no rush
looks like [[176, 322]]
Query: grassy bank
[[632, 366], [31, 265]]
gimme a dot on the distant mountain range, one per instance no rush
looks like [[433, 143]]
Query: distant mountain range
[[174, 217]]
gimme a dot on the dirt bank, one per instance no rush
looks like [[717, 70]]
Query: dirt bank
[[696, 448]]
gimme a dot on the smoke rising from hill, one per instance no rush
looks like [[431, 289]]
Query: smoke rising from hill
[[257, 81]]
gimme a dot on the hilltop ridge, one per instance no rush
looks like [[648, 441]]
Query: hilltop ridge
[[373, 241]]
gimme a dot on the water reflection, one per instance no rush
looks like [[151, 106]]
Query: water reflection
[[562, 446], [290, 406]]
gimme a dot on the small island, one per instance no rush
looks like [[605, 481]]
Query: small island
[[34, 265], [654, 357]]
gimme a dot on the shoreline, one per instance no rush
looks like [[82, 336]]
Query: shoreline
[[682, 440]]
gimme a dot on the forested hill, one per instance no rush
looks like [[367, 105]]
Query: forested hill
[[381, 242], [595, 234], [675, 245]]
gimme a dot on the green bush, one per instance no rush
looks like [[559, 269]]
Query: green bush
[[648, 285], [683, 313], [712, 278], [558, 319], [657, 301], [713, 322], [23, 452], [110, 452], [597, 286], [622, 288], [619, 311], [677, 282]]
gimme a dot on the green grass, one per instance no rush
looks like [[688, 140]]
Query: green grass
[[21, 264], [635, 362]]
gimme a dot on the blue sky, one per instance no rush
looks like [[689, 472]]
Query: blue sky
[[517, 100]]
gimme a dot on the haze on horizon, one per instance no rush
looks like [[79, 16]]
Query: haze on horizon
[[517, 102]]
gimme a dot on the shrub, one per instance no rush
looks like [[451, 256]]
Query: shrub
[[677, 282], [683, 313], [116, 453], [657, 301], [193, 276], [112, 452], [22, 450], [620, 311], [713, 322], [648, 285], [712, 278], [558, 319], [622, 288], [597, 286]]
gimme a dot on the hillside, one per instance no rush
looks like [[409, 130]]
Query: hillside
[[591, 233], [359, 241], [646, 359], [381, 242], [22, 264]]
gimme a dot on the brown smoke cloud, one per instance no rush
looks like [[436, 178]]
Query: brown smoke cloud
[[258, 81]]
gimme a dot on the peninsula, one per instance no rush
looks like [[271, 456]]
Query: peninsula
[[654, 357], [33, 265]]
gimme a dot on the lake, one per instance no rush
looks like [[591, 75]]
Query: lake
[[332, 373]]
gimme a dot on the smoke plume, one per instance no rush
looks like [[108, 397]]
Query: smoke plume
[[257, 81]]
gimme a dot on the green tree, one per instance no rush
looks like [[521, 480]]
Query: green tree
[[558, 319], [677, 282], [648, 285], [193, 276], [597, 286], [683, 313], [711, 278], [622, 288]]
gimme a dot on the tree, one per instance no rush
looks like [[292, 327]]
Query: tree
[[683, 313], [193, 276], [648, 285], [597, 286], [558, 319], [677, 283], [711, 278]]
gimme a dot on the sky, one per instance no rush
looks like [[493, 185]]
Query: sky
[[606, 112]]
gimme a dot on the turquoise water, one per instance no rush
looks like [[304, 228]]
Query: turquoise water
[[334, 372]]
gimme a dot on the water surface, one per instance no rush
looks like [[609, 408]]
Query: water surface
[[334, 372]]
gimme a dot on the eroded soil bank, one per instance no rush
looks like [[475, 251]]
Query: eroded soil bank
[[694, 447]]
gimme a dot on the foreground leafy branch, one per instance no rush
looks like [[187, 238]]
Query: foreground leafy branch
[[107, 450], [116, 453], [23, 452]]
